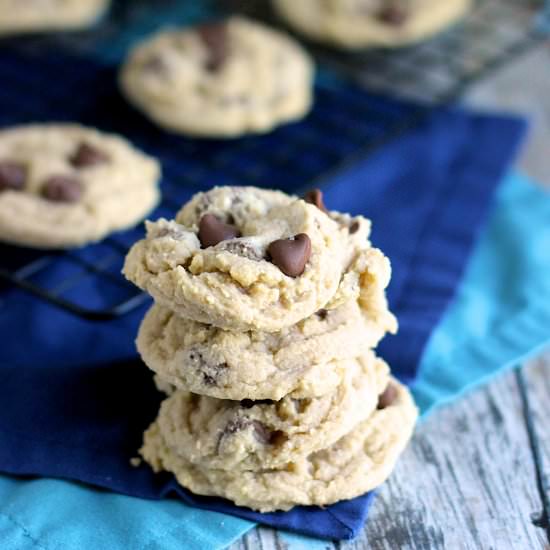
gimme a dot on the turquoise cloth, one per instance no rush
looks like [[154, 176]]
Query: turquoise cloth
[[501, 314]]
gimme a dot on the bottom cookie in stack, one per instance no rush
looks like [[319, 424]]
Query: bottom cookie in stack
[[271, 456]]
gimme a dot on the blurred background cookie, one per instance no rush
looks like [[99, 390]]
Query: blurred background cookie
[[363, 23], [18, 16], [64, 185], [220, 79]]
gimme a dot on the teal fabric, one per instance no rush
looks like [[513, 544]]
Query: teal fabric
[[501, 314], [57, 515]]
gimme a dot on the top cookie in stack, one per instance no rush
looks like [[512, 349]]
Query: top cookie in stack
[[267, 310], [241, 258]]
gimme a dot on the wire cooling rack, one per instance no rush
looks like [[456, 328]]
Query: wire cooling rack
[[73, 77]]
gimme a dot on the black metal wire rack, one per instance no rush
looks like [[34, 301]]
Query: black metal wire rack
[[74, 78]]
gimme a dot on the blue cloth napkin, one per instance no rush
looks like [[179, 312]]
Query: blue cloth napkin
[[76, 400]]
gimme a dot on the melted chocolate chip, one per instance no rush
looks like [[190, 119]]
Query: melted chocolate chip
[[210, 373], [267, 437], [208, 380], [154, 64], [215, 37], [387, 397], [315, 197], [322, 314], [291, 255], [213, 231], [62, 189], [12, 176], [393, 14], [354, 227], [88, 155]]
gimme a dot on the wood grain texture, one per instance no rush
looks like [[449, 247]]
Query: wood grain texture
[[537, 395]]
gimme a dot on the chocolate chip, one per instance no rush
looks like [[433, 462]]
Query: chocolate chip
[[387, 397], [315, 197], [393, 15], [322, 314], [12, 176], [88, 155], [265, 436], [213, 231], [154, 64], [291, 255], [354, 227], [208, 380], [215, 37], [62, 189]]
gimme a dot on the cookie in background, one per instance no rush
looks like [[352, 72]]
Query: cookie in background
[[65, 185], [219, 79], [17, 16], [358, 24]]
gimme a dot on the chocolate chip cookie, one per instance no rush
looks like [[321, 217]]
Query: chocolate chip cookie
[[369, 23], [18, 16], [357, 462], [219, 79], [242, 258], [301, 359], [264, 434], [64, 185]]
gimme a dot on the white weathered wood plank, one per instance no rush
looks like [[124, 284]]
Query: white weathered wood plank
[[466, 482], [537, 377]]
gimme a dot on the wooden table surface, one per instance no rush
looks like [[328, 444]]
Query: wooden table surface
[[477, 472]]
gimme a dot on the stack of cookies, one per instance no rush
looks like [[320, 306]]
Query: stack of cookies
[[267, 310]]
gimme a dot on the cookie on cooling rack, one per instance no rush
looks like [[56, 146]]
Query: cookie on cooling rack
[[64, 185], [370, 23], [220, 79], [17, 16]]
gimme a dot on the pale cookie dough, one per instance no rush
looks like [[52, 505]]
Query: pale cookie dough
[[18, 16], [221, 79], [63, 185], [370, 23], [302, 359], [257, 435], [235, 284], [355, 464]]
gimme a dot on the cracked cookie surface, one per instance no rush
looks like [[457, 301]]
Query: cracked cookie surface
[[301, 359], [219, 79], [235, 284], [18, 16], [358, 462], [64, 185], [370, 23]]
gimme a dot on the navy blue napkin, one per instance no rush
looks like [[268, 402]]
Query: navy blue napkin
[[75, 399]]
